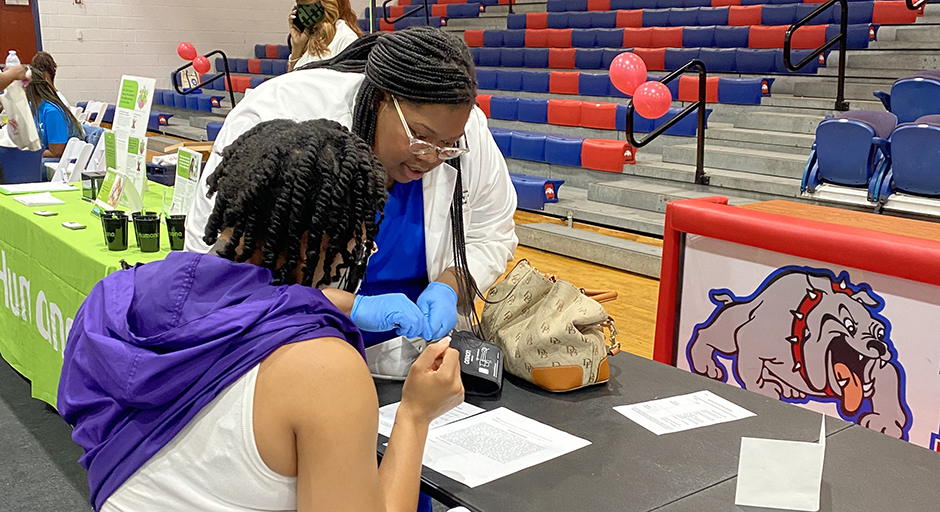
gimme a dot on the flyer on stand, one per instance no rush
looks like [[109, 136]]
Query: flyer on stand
[[132, 112], [188, 167], [133, 152]]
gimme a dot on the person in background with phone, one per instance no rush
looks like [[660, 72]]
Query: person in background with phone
[[243, 386], [320, 30]]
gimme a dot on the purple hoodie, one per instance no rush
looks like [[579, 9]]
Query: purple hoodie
[[151, 346]]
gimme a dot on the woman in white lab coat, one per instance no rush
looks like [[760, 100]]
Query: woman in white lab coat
[[411, 94]]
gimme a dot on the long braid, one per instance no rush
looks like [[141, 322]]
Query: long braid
[[282, 179]]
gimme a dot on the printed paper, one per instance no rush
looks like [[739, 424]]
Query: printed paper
[[387, 416], [683, 412]]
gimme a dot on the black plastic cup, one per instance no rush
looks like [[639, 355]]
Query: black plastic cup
[[113, 213], [176, 231], [115, 232], [134, 217], [148, 232]]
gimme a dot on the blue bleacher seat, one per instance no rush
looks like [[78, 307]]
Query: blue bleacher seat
[[556, 6], [914, 159], [687, 127], [640, 123], [283, 52], [363, 24], [536, 57], [678, 57], [241, 65], [579, 19], [719, 60], [656, 17], [612, 89], [669, 4], [740, 91], [588, 58], [179, 100], [493, 38], [641, 4], [486, 78], [205, 103], [505, 108], [488, 56], [683, 17], [576, 5], [528, 146], [468, 10], [913, 97], [584, 38], [21, 166], [512, 57], [533, 191], [594, 84], [475, 54], [608, 37], [279, 67], [610, 54], [859, 12], [532, 110], [698, 37], [157, 97], [616, 5], [856, 35], [712, 16], [601, 19], [696, 3], [752, 60], [557, 20], [513, 38], [731, 37], [795, 57], [778, 14], [220, 65], [516, 21], [850, 151], [192, 101], [260, 51], [508, 80], [212, 130], [503, 140], [561, 150], [803, 10], [535, 81], [157, 119], [267, 67]]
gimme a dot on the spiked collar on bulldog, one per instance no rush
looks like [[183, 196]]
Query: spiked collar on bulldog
[[799, 332]]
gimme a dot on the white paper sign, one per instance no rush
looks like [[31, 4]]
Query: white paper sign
[[188, 167], [387, 416], [683, 412], [132, 111]]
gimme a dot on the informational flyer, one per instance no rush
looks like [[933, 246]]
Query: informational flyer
[[188, 167], [119, 187], [683, 412], [132, 111], [388, 413]]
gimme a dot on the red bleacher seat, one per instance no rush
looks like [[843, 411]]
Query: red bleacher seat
[[395, 11], [724, 3], [655, 58], [536, 20], [484, 101], [254, 66], [666, 37], [270, 51], [561, 58], [637, 37], [506, 2], [451, 1], [563, 82], [808, 37], [564, 112], [602, 116], [769, 37], [558, 38], [473, 37], [688, 88], [632, 18], [893, 13], [404, 2], [439, 10], [536, 38], [598, 5], [604, 155], [742, 16], [386, 26]]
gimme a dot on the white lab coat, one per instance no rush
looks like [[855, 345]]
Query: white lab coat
[[489, 197]]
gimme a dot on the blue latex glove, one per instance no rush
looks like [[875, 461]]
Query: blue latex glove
[[438, 303], [380, 313]]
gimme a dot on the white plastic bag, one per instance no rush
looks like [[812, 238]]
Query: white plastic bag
[[21, 127]]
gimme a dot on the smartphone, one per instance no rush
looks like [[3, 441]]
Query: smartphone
[[308, 15], [45, 213], [73, 225]]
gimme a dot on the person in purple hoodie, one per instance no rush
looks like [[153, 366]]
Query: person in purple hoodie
[[236, 380]]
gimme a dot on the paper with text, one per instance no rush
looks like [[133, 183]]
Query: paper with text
[[188, 167], [683, 412], [388, 412]]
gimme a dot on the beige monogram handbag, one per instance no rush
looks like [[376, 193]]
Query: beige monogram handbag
[[551, 332]]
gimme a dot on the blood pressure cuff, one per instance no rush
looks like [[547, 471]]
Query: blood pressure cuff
[[481, 364]]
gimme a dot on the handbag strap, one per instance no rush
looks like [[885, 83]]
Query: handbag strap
[[600, 296], [613, 346]]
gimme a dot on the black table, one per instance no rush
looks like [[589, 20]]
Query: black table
[[626, 467]]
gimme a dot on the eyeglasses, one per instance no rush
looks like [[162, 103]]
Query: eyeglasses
[[420, 147]]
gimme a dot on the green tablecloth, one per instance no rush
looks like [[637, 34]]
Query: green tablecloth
[[46, 271]]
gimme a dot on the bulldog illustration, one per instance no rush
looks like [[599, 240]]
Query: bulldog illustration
[[806, 335]]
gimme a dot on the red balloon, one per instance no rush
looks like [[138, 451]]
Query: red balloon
[[652, 99], [186, 51], [627, 71], [201, 64]]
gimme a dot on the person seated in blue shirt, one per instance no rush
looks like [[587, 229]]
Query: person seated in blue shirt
[[54, 120]]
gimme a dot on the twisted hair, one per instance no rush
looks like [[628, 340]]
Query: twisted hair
[[282, 179], [44, 62], [422, 65], [40, 89]]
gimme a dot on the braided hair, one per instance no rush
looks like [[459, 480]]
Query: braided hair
[[282, 179], [422, 65]]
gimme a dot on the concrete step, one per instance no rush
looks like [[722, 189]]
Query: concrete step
[[484, 22], [857, 73], [221, 111], [577, 177], [741, 183], [649, 195], [797, 143], [635, 257], [779, 122], [914, 34], [824, 105], [892, 44], [182, 129], [517, 8], [768, 163], [853, 90], [202, 121], [885, 60], [159, 144], [573, 202]]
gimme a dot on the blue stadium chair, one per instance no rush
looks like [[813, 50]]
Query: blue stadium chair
[[696, 3], [513, 38], [556, 6], [913, 97], [512, 57], [655, 17], [698, 37], [561, 150], [241, 65], [469, 10], [192, 101], [914, 155], [256, 81], [363, 25], [601, 19], [795, 57], [503, 140], [803, 10], [267, 67], [505, 108], [712, 16], [179, 100], [584, 38], [488, 56], [614, 91], [594, 84], [486, 78], [856, 35], [610, 54], [672, 86], [279, 67], [683, 17], [220, 65], [556, 20], [528, 146], [508, 80], [719, 60], [731, 37], [684, 128], [157, 98], [212, 130], [740, 91], [669, 4], [678, 57], [261, 51], [859, 12], [21, 166], [532, 110], [283, 51], [751, 60], [779, 14], [535, 81], [576, 5], [640, 123], [536, 57], [475, 54], [493, 38], [579, 19], [532, 192], [640, 4], [608, 37], [850, 150], [588, 58], [616, 5], [516, 21]]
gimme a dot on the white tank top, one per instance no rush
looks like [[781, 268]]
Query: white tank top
[[211, 465]]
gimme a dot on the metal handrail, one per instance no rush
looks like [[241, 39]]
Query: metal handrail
[[174, 76], [913, 6], [700, 176], [841, 104], [421, 7]]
